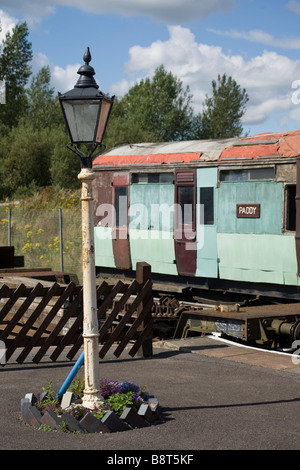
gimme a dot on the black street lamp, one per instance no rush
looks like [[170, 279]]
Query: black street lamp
[[86, 111]]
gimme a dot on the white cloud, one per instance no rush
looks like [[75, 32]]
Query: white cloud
[[267, 78], [261, 37], [163, 10], [32, 11], [293, 6], [62, 79], [7, 23], [120, 88]]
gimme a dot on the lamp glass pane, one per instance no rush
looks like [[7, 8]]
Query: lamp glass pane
[[104, 112], [82, 119]]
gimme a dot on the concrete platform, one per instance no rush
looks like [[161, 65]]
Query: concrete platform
[[213, 396], [222, 349]]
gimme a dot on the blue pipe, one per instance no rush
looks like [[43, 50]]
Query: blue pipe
[[71, 375]]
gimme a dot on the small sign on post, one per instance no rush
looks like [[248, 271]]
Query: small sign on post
[[251, 211]]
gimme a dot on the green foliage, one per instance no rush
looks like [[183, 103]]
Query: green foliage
[[123, 129], [15, 70], [25, 157], [77, 387], [223, 111], [64, 164], [119, 401], [117, 396], [49, 401], [157, 110], [43, 108]]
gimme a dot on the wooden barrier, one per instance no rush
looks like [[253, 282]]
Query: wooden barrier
[[44, 315]]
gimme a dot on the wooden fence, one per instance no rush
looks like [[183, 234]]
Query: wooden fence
[[35, 318]]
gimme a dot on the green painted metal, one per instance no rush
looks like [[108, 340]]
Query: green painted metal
[[258, 258], [151, 220], [268, 194], [207, 263], [103, 247]]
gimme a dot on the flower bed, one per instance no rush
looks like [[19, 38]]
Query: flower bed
[[124, 406]]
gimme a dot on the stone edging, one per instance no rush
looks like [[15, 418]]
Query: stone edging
[[148, 413]]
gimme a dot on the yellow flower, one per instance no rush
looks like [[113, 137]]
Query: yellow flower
[[29, 233], [42, 256], [40, 230], [26, 227], [37, 244]]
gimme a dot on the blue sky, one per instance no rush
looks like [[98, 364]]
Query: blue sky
[[257, 42]]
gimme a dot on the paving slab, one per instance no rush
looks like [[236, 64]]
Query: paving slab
[[224, 349]]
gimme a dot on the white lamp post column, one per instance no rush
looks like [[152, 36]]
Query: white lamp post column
[[90, 320]]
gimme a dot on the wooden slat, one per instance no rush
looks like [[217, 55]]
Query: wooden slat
[[29, 323], [11, 301], [127, 316], [69, 337], [51, 337], [109, 299], [102, 290], [118, 306], [134, 327], [60, 301], [142, 337], [18, 315]]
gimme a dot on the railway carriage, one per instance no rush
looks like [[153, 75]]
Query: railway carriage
[[211, 214]]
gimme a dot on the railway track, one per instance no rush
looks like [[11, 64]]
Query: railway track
[[261, 323]]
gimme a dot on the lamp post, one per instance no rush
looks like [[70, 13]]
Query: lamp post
[[86, 112]]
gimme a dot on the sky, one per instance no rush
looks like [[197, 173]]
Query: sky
[[256, 42]]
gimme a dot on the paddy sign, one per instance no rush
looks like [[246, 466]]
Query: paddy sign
[[251, 211]]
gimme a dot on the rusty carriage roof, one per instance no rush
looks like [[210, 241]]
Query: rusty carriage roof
[[264, 146]]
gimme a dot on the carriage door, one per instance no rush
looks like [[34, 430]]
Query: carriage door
[[207, 255], [120, 239], [185, 221]]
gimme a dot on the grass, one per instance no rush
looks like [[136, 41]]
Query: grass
[[35, 232]]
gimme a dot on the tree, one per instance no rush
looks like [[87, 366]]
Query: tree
[[25, 159], [15, 70], [223, 111], [123, 128], [64, 165], [157, 109], [43, 106]]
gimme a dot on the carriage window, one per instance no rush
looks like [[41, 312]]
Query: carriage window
[[152, 178], [207, 204], [186, 201], [290, 204], [253, 174], [121, 203]]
